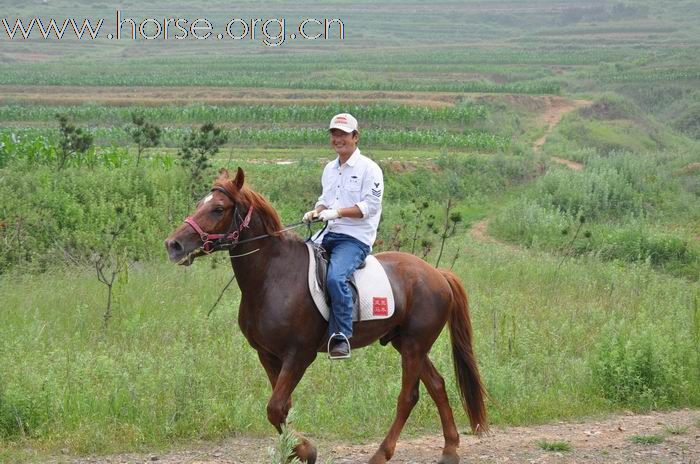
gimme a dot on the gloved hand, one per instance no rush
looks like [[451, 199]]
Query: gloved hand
[[309, 216], [328, 215]]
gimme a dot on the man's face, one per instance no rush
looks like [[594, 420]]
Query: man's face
[[343, 143]]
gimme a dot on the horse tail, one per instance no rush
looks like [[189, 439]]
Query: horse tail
[[472, 391]]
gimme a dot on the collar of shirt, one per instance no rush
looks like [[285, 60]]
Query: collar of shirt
[[352, 160]]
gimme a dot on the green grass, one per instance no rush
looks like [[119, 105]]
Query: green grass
[[162, 372], [677, 429], [554, 445], [373, 115], [646, 439], [67, 216], [627, 207], [284, 137]]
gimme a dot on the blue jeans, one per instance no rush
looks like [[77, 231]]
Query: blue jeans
[[346, 254]]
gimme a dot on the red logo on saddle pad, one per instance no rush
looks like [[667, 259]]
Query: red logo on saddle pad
[[380, 306]]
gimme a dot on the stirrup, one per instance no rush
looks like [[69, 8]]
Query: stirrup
[[338, 335]]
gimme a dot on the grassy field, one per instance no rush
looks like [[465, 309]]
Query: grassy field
[[553, 342], [586, 300]]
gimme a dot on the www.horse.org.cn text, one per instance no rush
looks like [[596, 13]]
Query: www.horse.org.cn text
[[272, 32]]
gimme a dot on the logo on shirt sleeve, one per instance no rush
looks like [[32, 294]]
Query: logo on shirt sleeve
[[376, 191]]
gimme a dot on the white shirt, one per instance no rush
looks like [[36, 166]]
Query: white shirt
[[358, 182]]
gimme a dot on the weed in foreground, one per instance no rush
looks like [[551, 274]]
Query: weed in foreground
[[554, 445], [647, 439], [677, 429], [283, 451]]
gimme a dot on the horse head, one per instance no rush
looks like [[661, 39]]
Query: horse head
[[216, 220]]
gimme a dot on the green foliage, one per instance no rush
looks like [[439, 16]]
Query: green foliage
[[283, 451], [608, 136], [372, 115], [222, 75], [621, 198], [197, 150], [304, 136], [598, 193], [637, 242], [72, 141], [144, 134], [639, 366], [554, 445], [63, 217], [528, 223], [677, 429], [647, 439], [688, 122], [52, 219], [163, 372], [28, 149]]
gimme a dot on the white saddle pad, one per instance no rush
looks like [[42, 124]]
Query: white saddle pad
[[373, 288]]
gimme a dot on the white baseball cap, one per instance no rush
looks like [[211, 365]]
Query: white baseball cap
[[344, 121]]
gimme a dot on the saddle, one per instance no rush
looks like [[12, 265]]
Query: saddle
[[372, 295], [321, 258]]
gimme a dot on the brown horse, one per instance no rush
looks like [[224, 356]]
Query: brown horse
[[278, 317]]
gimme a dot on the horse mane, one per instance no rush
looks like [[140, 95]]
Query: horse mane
[[261, 207]]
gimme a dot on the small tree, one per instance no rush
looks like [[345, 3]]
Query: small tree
[[449, 228], [111, 262], [144, 134], [418, 221], [197, 149], [73, 140]]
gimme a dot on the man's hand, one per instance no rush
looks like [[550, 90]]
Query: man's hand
[[328, 215], [310, 216]]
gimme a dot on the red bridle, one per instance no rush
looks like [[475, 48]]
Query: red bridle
[[227, 240]]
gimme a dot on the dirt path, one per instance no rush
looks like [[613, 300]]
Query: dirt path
[[596, 441], [558, 107], [480, 232], [568, 163]]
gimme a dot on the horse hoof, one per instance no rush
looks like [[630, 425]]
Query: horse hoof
[[378, 459], [449, 459], [306, 452]]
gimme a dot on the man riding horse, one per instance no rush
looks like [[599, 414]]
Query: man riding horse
[[351, 204], [278, 315]]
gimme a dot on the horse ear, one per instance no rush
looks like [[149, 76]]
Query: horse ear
[[240, 177]]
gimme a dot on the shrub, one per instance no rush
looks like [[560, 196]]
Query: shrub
[[532, 225], [637, 243], [598, 193], [639, 367]]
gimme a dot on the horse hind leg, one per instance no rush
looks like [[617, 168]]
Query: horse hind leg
[[435, 385], [412, 360]]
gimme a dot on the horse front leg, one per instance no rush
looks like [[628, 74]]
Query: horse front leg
[[412, 358], [286, 378], [273, 365]]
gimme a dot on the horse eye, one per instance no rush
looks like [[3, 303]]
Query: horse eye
[[218, 210]]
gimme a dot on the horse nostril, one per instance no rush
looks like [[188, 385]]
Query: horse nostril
[[173, 245]]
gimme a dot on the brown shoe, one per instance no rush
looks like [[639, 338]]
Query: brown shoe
[[340, 349]]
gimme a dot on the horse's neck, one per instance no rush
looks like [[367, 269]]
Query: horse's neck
[[255, 262]]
